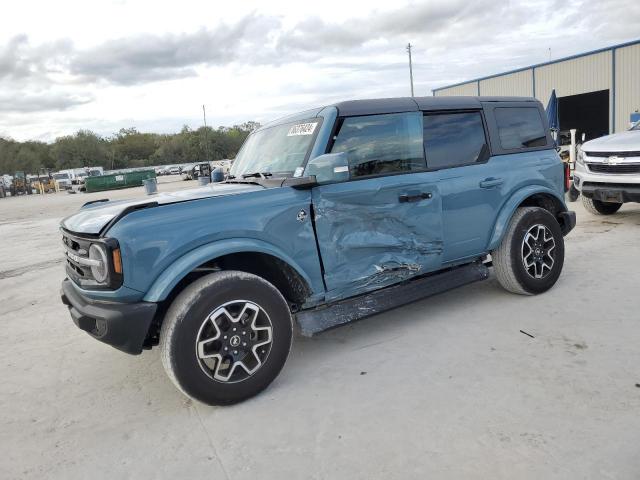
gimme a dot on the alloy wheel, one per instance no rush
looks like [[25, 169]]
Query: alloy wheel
[[234, 341], [538, 251]]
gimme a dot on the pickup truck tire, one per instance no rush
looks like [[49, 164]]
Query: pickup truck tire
[[597, 207], [226, 337], [530, 257], [573, 193]]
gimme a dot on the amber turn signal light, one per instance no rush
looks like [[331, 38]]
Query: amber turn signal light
[[117, 261]]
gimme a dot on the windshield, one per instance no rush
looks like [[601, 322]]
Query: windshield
[[280, 149], [61, 176], [636, 126]]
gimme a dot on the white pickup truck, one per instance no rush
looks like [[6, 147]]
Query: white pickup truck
[[607, 171]]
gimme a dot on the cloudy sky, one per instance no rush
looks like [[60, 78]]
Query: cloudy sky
[[67, 65]]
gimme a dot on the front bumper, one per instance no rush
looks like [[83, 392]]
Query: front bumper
[[611, 192], [121, 325], [607, 187]]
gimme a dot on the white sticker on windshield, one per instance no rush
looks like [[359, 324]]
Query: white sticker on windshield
[[302, 129]]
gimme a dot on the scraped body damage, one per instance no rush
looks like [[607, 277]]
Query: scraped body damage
[[369, 239]]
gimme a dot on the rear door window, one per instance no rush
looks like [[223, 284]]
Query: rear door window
[[520, 127], [453, 139], [381, 144]]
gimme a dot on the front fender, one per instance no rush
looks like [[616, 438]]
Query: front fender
[[169, 278], [510, 206]]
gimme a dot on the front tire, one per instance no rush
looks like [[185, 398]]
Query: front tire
[[226, 337], [530, 257], [597, 207]]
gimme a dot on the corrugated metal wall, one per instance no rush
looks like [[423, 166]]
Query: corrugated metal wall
[[573, 76], [627, 84], [519, 84], [467, 89], [578, 75]]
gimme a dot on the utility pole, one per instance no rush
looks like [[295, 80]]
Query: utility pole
[[410, 67], [206, 133]]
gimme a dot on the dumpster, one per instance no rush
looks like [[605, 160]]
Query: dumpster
[[118, 180]]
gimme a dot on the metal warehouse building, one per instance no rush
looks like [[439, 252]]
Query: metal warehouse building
[[598, 91]]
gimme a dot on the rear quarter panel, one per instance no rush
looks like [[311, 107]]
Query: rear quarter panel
[[526, 174]]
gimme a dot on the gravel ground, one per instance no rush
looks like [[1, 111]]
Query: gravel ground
[[443, 388]]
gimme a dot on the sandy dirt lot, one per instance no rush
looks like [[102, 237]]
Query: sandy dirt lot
[[443, 388]]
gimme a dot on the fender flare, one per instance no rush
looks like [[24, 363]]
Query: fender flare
[[169, 278], [510, 206]]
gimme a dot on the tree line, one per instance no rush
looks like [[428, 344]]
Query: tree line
[[126, 149]]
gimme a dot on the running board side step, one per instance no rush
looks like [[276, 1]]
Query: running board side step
[[345, 311]]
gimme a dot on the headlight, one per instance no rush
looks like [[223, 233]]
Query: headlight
[[580, 157], [100, 265]]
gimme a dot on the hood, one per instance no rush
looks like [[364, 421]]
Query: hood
[[628, 141], [92, 218]]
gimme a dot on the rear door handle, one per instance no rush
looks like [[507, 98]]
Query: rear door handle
[[404, 198], [491, 182]]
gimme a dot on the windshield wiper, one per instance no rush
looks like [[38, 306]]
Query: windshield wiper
[[257, 175]]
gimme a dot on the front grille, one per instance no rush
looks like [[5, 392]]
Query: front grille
[[77, 247], [631, 153], [620, 168]]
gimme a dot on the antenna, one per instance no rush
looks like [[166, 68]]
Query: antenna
[[410, 67]]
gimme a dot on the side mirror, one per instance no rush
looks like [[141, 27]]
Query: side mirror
[[329, 168], [583, 137]]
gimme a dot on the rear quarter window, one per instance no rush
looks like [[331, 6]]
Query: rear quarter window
[[520, 127], [453, 139]]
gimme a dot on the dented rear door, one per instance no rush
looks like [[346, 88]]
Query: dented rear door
[[375, 232]]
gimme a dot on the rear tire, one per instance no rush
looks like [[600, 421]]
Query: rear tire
[[597, 207], [530, 257], [226, 337]]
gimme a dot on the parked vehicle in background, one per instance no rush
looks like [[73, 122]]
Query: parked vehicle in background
[[174, 170], [195, 170], [63, 179], [20, 184], [188, 172], [225, 165], [44, 182], [327, 216], [607, 172], [5, 184], [6, 180]]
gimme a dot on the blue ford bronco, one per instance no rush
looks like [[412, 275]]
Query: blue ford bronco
[[326, 216]]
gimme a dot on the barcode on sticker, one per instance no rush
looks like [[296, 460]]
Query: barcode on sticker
[[302, 129]]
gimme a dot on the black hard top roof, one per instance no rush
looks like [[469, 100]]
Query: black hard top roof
[[413, 104]]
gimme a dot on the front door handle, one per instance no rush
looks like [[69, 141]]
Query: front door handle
[[491, 182], [404, 198]]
